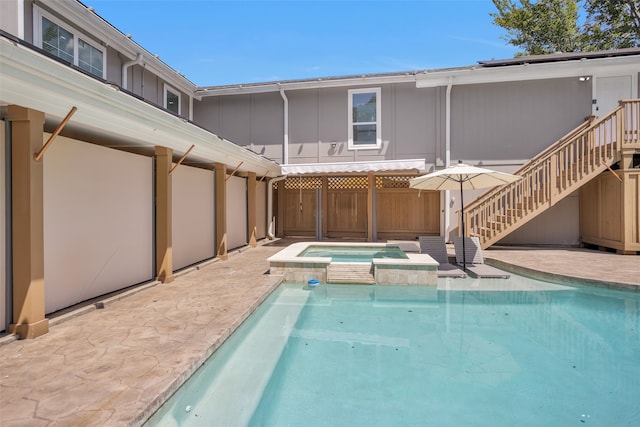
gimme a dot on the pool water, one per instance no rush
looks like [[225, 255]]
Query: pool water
[[354, 253], [467, 353]]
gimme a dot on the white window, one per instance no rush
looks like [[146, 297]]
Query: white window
[[172, 100], [364, 119], [65, 43]]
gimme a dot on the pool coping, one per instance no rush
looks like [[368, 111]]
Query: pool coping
[[416, 269], [560, 278]]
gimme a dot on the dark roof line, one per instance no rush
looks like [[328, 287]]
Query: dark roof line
[[559, 56]]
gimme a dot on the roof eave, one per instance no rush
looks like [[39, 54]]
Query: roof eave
[[86, 17], [35, 81], [526, 71]]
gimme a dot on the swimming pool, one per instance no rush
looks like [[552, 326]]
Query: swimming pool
[[467, 352], [353, 253]]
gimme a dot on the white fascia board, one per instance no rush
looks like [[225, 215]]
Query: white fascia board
[[86, 20], [417, 165], [510, 73], [34, 81], [304, 84]]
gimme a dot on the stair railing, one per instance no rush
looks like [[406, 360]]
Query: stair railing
[[554, 173]]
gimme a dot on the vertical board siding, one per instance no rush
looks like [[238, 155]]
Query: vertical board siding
[[514, 120], [236, 212], [402, 214], [98, 221], [610, 211], [193, 216], [347, 213], [299, 212]]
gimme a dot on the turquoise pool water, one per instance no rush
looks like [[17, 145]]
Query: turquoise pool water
[[470, 352], [354, 253]]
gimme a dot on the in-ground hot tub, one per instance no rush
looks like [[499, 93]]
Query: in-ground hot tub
[[389, 265]]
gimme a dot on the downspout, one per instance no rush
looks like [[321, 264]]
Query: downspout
[[128, 64], [285, 148], [271, 230], [447, 155]]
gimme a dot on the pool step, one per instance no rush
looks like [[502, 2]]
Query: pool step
[[346, 272]]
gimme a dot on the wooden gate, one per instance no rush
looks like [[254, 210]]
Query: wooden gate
[[297, 206], [347, 206], [404, 213], [399, 213]]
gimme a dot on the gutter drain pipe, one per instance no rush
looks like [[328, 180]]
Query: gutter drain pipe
[[285, 154], [128, 64], [447, 156]]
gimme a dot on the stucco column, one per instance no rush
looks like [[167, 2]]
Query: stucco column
[[27, 223], [251, 208], [221, 210], [164, 251]]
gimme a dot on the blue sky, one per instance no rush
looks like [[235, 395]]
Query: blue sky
[[216, 42]]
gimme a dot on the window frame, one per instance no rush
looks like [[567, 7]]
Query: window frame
[[354, 146], [77, 37], [166, 89]]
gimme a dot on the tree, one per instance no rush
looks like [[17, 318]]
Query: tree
[[547, 26], [612, 24]]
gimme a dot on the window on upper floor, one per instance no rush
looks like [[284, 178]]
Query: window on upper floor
[[66, 43], [171, 99], [364, 119]]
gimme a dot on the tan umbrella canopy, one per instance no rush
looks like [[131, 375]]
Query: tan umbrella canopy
[[462, 177]]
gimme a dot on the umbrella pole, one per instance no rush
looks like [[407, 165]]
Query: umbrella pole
[[464, 251]]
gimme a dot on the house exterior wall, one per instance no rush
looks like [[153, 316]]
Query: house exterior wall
[[511, 122], [411, 124], [252, 121], [560, 225], [17, 18], [10, 16], [498, 125]]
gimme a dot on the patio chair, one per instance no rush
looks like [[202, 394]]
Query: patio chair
[[435, 247], [474, 260]]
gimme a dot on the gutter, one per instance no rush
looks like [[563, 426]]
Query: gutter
[[447, 156], [285, 154], [125, 67]]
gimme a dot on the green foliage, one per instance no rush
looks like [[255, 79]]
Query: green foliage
[[547, 26], [612, 24]]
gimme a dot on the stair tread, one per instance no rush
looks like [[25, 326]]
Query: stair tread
[[350, 273]]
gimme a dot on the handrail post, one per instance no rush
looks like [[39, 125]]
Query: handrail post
[[553, 180]]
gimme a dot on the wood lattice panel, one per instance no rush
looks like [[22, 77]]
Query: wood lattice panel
[[348, 183], [305, 183], [392, 181]]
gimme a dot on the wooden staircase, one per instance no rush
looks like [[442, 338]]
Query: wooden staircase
[[555, 173], [350, 273]]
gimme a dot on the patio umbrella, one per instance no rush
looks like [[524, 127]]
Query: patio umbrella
[[463, 177]]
